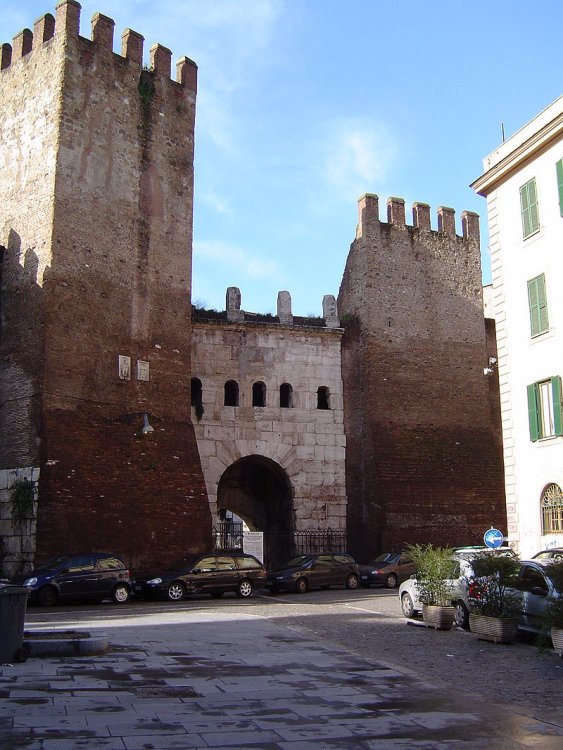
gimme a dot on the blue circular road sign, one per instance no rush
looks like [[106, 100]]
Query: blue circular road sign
[[493, 538]]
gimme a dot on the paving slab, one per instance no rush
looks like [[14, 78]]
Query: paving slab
[[201, 680]]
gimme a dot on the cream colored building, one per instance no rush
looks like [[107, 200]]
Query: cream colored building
[[523, 184]]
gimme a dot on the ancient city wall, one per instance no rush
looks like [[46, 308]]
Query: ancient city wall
[[424, 459], [308, 443], [107, 255]]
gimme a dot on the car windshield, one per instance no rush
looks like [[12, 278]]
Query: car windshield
[[299, 561], [183, 562], [386, 557], [54, 562]]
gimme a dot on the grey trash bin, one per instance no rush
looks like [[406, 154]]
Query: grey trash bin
[[13, 603]]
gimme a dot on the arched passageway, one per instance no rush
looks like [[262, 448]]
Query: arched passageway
[[258, 490]]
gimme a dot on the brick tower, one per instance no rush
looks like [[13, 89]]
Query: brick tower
[[96, 187], [424, 458]]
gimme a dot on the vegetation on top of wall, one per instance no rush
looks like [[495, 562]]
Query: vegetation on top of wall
[[21, 500]]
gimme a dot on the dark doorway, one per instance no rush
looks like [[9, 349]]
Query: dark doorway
[[257, 490]]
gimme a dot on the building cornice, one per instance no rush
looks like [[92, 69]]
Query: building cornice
[[515, 159]]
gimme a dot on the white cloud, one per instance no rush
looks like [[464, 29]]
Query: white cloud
[[233, 259], [357, 155], [216, 201]]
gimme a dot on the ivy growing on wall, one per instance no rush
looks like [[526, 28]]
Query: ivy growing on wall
[[21, 500]]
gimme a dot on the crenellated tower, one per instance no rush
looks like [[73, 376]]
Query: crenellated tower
[[96, 183], [424, 461]]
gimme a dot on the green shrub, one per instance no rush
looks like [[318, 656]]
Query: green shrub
[[488, 590], [21, 501], [435, 571]]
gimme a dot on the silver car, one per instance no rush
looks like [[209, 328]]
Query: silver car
[[408, 594], [535, 589], [411, 604]]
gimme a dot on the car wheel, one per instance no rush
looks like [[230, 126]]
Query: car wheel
[[302, 586], [176, 591], [391, 581], [244, 589], [47, 596], [406, 605], [461, 615], [217, 594], [120, 594], [352, 582]]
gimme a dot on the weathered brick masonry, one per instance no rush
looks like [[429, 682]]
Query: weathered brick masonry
[[423, 457], [97, 203]]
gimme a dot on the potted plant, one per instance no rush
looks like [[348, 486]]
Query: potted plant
[[435, 571], [492, 600], [554, 610]]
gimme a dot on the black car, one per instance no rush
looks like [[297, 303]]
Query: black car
[[91, 575], [204, 574], [306, 572], [388, 569]]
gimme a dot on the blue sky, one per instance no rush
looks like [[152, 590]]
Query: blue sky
[[304, 105]]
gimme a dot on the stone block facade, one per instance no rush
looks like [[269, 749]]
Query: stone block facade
[[17, 537], [286, 431]]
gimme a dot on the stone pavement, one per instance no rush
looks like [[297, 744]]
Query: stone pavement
[[202, 680]]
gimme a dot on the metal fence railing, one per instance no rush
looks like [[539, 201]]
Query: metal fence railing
[[279, 547]]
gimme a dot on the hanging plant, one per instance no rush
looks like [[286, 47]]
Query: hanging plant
[[21, 500]]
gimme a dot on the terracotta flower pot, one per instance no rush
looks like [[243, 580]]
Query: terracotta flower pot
[[557, 640], [494, 629], [440, 618]]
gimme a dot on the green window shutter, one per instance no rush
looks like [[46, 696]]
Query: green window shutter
[[559, 168], [533, 412], [556, 390], [529, 208], [537, 302]]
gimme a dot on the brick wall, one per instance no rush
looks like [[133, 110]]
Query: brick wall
[[424, 458], [114, 231]]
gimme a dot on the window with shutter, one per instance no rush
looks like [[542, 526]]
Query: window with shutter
[[544, 409], [537, 301], [529, 208], [533, 415], [559, 168]]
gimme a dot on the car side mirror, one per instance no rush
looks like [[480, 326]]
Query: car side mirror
[[538, 591], [196, 570], [64, 571]]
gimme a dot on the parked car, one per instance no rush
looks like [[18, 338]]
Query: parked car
[[306, 572], [388, 569], [408, 595], [532, 594], [549, 554], [91, 575], [204, 574]]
